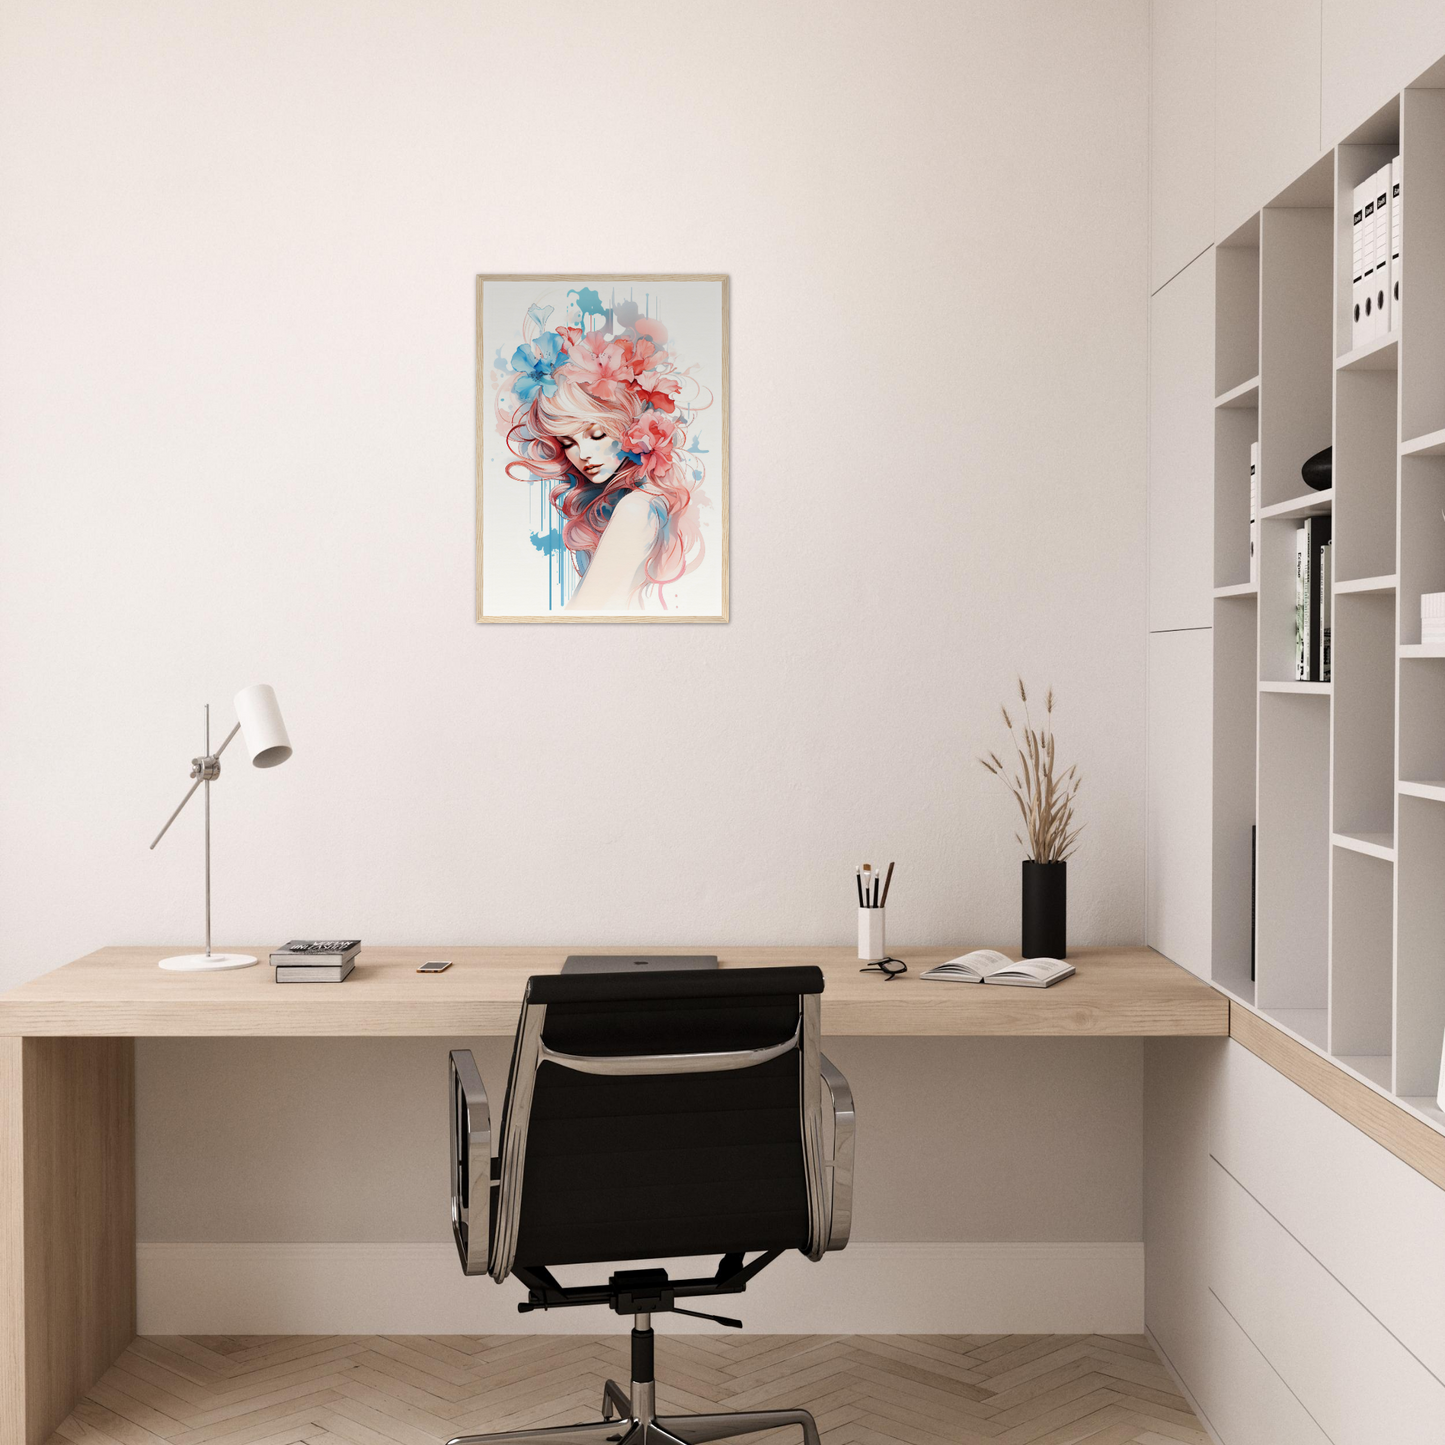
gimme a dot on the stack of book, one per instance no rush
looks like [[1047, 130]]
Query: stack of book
[[1375, 272], [1312, 601], [315, 960]]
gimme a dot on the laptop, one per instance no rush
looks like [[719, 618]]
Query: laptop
[[637, 962]]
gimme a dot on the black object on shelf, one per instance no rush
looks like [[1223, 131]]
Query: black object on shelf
[[1319, 471], [1253, 892], [1046, 900]]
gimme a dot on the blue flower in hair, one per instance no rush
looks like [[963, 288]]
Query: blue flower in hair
[[534, 362]]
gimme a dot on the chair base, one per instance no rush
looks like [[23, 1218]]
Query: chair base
[[641, 1427]]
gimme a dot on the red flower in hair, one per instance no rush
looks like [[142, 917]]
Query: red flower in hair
[[603, 367], [648, 443], [657, 390]]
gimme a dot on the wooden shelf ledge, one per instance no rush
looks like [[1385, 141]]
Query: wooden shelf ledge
[[1391, 1121]]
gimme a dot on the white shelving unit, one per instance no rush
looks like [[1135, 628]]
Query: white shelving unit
[[1343, 780]]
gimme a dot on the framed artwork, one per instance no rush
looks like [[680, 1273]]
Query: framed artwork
[[602, 448]]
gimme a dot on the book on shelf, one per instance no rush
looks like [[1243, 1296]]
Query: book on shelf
[[1254, 514], [314, 972], [1326, 606], [988, 965], [1310, 611], [1301, 606]]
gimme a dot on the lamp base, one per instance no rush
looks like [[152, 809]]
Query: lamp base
[[207, 962]]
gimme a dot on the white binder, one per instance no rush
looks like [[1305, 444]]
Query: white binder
[[1382, 251], [1396, 225], [1357, 269]]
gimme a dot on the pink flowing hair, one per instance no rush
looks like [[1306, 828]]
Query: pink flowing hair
[[533, 433]]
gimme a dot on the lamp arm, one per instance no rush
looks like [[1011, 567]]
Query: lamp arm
[[200, 772], [227, 743], [177, 813]]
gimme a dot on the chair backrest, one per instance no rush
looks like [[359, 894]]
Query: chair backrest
[[662, 1115]]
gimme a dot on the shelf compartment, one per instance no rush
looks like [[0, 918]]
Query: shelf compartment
[[1244, 397], [1422, 722], [1364, 715], [1365, 459], [1422, 300], [1236, 309], [1366, 584], [1234, 432], [1432, 444], [1381, 354], [1372, 845], [1294, 855], [1420, 935], [1422, 537], [1296, 351], [1298, 689], [1236, 707], [1362, 930]]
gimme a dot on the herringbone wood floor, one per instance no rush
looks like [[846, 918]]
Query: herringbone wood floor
[[418, 1390]]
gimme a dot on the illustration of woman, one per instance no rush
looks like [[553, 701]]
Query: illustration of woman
[[596, 415]]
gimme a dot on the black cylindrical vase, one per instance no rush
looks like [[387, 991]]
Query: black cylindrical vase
[[1046, 909]]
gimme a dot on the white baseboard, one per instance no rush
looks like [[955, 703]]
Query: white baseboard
[[307, 1289]]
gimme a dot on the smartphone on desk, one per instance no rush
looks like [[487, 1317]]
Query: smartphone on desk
[[435, 965]]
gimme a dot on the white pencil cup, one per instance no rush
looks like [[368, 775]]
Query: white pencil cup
[[871, 946]]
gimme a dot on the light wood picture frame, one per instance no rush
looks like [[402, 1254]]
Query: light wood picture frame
[[602, 448]]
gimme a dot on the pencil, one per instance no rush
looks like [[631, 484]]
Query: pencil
[[887, 883]]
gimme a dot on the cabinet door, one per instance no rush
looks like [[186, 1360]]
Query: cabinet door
[[1181, 450], [1181, 135], [1177, 832]]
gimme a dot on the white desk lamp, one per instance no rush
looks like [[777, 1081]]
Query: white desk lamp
[[258, 720]]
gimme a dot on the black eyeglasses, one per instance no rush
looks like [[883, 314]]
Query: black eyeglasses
[[890, 968]]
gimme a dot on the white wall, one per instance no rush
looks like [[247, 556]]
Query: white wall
[[236, 367], [237, 254]]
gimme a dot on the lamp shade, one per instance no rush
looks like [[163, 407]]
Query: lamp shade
[[262, 730]]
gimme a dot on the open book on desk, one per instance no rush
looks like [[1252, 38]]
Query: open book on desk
[[987, 965]]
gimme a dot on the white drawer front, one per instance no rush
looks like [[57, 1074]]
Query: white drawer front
[[1359, 1383], [1371, 1220], [1245, 1400]]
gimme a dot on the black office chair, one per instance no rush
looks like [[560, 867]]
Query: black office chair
[[650, 1117]]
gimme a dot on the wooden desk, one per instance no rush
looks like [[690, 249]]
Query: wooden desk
[[119, 992], [67, 1091]]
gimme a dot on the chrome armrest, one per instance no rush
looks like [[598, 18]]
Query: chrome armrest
[[840, 1166], [471, 1126]]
